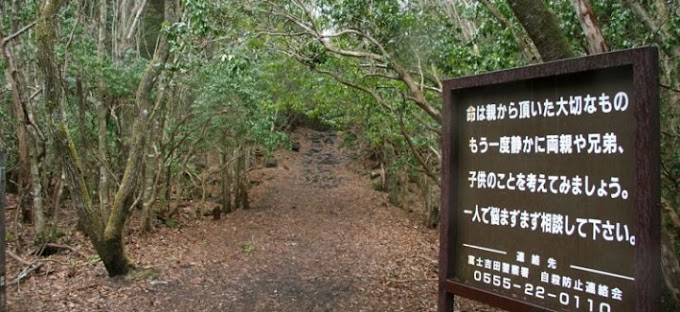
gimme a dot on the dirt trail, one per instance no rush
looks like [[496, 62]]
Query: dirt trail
[[317, 238]]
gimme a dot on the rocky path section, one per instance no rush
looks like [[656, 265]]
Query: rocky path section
[[317, 238]]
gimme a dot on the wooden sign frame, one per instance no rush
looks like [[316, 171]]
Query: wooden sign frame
[[645, 193]]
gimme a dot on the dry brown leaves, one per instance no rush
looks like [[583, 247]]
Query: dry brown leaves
[[317, 238]]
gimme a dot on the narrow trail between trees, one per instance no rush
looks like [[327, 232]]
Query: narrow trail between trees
[[317, 238]]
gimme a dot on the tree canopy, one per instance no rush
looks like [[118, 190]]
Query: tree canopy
[[118, 104]]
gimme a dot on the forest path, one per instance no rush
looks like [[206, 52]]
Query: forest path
[[317, 238]]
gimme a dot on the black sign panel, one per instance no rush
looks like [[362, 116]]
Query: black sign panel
[[551, 186]]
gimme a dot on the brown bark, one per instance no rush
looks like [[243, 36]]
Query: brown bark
[[543, 29], [45, 38], [226, 184], [241, 192], [37, 192], [596, 42], [24, 171], [103, 189]]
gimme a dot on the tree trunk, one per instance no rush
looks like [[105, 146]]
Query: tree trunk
[[38, 206], [226, 183], [57, 196], [241, 184], [3, 164], [24, 164], [543, 29], [237, 179], [596, 42], [107, 238], [82, 109], [112, 242], [148, 187], [102, 115], [90, 220], [111, 251], [24, 170], [153, 168]]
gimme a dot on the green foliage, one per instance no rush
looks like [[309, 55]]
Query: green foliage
[[93, 259], [142, 274], [170, 223], [9, 236], [247, 248], [234, 75]]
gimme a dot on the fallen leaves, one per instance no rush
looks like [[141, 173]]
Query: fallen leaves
[[317, 238]]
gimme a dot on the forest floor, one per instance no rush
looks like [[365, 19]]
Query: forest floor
[[316, 238]]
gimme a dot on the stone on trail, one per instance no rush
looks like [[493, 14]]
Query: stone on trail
[[271, 162]]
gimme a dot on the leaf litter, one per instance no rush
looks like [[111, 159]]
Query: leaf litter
[[317, 238]]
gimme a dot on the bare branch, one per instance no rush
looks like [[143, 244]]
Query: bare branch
[[644, 15], [25, 273], [310, 28], [133, 26], [9, 38], [417, 96], [351, 84], [419, 156], [280, 34]]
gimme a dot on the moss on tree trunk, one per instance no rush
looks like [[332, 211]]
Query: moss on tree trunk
[[112, 253], [106, 234], [543, 29]]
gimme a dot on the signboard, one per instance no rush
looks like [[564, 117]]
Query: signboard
[[551, 186]]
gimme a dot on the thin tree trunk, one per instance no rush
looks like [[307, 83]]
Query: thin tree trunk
[[226, 183], [102, 116], [24, 170], [82, 109], [38, 206], [123, 12], [148, 190], [45, 38], [467, 27], [543, 29], [596, 42], [242, 190], [103, 161], [113, 234], [57, 195], [107, 238], [152, 167], [3, 164], [237, 178], [241, 187]]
